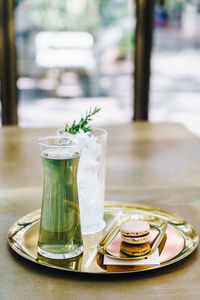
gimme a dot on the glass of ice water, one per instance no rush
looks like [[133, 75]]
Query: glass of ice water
[[91, 176], [60, 230]]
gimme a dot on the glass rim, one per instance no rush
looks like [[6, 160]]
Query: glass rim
[[41, 141], [104, 132]]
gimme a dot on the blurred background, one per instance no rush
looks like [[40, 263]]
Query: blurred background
[[77, 54]]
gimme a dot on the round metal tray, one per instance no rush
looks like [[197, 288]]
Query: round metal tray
[[23, 237]]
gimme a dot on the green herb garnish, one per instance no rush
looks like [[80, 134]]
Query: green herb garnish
[[82, 123]]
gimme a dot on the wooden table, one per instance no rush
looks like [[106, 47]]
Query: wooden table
[[153, 164]]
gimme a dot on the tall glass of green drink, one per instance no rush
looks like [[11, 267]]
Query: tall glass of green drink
[[60, 231]]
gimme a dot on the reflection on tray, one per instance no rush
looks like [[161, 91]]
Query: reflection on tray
[[116, 268], [73, 264]]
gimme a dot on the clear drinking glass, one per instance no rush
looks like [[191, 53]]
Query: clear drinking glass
[[60, 231], [91, 177]]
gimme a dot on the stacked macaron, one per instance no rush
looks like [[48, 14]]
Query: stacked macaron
[[135, 238]]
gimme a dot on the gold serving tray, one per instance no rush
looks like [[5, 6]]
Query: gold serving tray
[[160, 226], [23, 237]]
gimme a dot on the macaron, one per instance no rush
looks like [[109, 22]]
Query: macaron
[[135, 232], [135, 250]]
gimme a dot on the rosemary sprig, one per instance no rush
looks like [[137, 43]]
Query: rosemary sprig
[[74, 128]]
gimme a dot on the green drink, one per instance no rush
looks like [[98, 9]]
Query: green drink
[[60, 230]]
